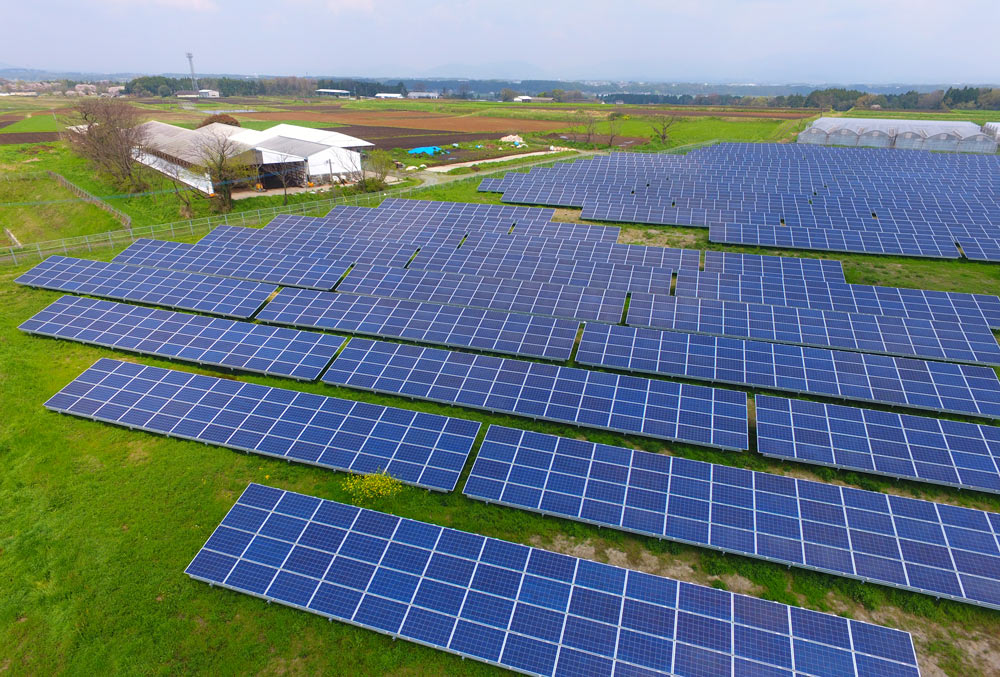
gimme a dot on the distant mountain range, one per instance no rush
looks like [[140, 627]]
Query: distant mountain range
[[593, 87]]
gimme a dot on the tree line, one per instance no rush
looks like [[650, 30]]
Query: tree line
[[160, 85], [971, 98]]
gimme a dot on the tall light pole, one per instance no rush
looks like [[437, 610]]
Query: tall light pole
[[194, 80]]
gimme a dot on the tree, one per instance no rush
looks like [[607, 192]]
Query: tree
[[930, 100], [164, 91], [589, 127], [614, 128], [377, 166], [661, 125], [108, 133], [221, 118], [989, 99], [227, 164], [507, 94]]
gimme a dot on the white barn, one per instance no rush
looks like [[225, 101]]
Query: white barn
[[282, 154]]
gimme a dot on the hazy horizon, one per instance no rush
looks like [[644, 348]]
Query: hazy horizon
[[765, 42]]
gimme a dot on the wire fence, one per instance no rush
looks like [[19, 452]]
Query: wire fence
[[119, 239], [119, 216]]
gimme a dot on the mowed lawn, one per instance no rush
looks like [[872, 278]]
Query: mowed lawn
[[100, 522], [37, 208]]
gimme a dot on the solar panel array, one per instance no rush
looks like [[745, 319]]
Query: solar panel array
[[534, 298], [975, 309], [907, 337], [920, 384], [187, 291], [295, 271], [522, 608], [732, 263], [481, 246], [911, 447], [628, 404], [850, 241], [794, 196], [193, 338], [621, 277], [421, 449], [489, 330], [932, 548]]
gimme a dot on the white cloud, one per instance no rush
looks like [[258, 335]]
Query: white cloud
[[338, 6], [186, 5]]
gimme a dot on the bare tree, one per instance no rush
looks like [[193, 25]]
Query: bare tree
[[661, 125], [614, 127], [589, 127], [227, 163], [108, 133]]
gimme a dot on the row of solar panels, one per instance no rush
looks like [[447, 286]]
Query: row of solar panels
[[913, 544], [781, 212], [927, 449]]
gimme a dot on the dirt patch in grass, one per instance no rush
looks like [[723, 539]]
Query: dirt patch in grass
[[665, 236], [27, 137]]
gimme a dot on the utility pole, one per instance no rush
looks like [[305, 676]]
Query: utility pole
[[194, 80]]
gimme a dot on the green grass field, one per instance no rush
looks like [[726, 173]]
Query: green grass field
[[39, 122], [37, 208], [101, 521]]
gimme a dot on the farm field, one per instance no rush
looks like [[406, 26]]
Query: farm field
[[104, 520]]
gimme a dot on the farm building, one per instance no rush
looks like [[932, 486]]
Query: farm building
[[940, 135], [992, 130], [339, 93], [422, 95], [283, 153], [186, 94], [388, 95]]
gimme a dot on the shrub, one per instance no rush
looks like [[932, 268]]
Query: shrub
[[373, 487]]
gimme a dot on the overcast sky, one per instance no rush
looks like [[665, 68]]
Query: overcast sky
[[762, 41]]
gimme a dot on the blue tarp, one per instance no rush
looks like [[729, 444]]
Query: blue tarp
[[425, 150]]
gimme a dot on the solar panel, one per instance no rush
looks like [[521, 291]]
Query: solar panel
[[906, 337], [911, 447], [292, 271], [488, 330], [859, 242], [193, 338], [731, 263], [534, 298], [530, 610], [980, 248], [797, 292], [621, 277], [939, 386], [187, 291], [421, 449], [652, 408], [931, 548]]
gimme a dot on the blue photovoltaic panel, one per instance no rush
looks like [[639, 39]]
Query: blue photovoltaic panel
[[912, 447], [932, 548], [952, 341], [193, 338], [187, 291], [975, 309], [529, 610], [921, 384], [731, 263], [292, 271], [855, 241], [421, 449], [652, 408], [516, 266], [980, 248], [534, 298], [488, 330]]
